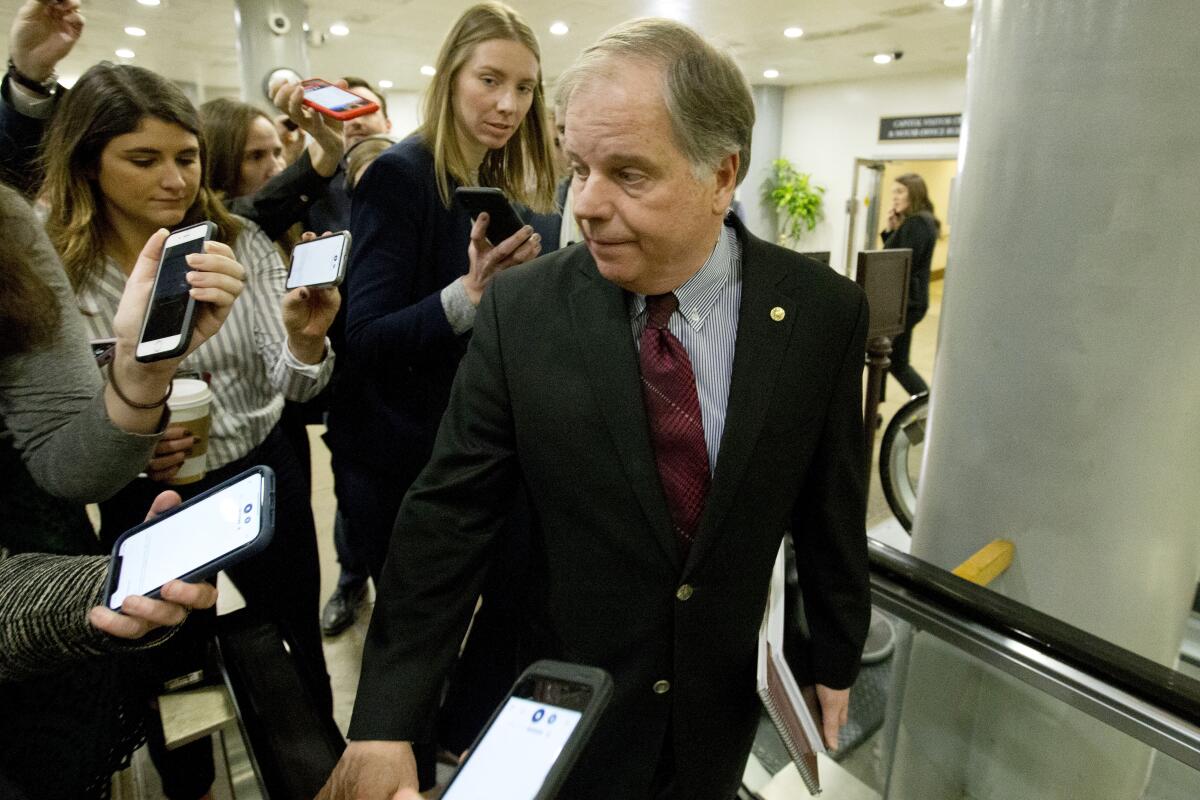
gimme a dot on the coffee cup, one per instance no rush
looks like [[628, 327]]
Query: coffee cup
[[191, 408]]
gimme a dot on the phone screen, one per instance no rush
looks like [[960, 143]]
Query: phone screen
[[512, 759], [184, 542], [333, 98], [316, 262], [168, 307]]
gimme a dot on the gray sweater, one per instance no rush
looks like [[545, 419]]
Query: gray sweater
[[52, 414]]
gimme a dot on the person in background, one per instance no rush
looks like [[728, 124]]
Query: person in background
[[564, 199], [911, 224], [71, 712], [246, 166], [675, 397], [417, 274], [125, 156]]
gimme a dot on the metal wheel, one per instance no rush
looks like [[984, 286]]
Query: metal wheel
[[900, 455]]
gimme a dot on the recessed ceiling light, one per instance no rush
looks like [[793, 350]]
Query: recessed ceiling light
[[954, 3], [339, 29], [149, 2], [882, 58], [124, 52], [133, 31], [559, 28], [428, 70], [793, 33], [386, 84], [770, 73]]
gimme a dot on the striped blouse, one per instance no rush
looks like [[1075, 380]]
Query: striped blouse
[[251, 366], [706, 324]]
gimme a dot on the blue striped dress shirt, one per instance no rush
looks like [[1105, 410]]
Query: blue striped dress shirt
[[706, 324]]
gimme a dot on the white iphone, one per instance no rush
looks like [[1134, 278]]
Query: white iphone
[[167, 328]]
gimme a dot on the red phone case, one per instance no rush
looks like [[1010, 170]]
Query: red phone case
[[368, 106]]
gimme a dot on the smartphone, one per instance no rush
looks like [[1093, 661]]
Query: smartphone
[[104, 351], [214, 530], [333, 101], [320, 262], [528, 747], [503, 219], [167, 328]]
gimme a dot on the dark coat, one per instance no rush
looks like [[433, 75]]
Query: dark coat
[[549, 396]]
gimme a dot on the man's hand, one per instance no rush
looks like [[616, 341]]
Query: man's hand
[[42, 35], [373, 771], [835, 710], [141, 614], [486, 260]]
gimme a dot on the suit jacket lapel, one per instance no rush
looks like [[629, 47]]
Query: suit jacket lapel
[[767, 284], [607, 351]]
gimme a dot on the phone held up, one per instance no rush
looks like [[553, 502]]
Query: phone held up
[[320, 262], [214, 530], [503, 219], [528, 747], [333, 101], [167, 328]]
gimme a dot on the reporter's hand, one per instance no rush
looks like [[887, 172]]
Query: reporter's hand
[[327, 145], [486, 260], [42, 35], [170, 452], [141, 614], [373, 771], [835, 711]]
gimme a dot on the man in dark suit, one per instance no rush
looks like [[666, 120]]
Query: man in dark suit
[[674, 396]]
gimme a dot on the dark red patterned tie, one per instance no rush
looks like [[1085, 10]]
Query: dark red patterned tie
[[673, 410]]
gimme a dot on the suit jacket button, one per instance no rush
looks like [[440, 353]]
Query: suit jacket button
[[662, 687], [684, 593]]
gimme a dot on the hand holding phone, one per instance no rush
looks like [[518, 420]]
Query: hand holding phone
[[503, 219], [167, 327], [334, 101], [528, 747], [214, 530], [320, 262]]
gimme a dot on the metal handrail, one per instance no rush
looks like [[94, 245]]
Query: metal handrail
[[1154, 704]]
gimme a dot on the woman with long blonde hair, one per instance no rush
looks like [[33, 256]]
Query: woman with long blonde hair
[[419, 266]]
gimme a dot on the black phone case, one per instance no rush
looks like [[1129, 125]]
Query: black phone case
[[189, 315], [504, 220], [266, 532], [602, 689], [341, 273]]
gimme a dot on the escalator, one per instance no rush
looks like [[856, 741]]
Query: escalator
[[982, 697]]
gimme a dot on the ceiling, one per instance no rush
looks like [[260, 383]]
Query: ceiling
[[195, 40]]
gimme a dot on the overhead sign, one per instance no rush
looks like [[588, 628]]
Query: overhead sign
[[939, 126]]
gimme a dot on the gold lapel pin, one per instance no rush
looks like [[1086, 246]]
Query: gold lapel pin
[[778, 314]]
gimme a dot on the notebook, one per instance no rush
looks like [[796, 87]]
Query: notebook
[[793, 709]]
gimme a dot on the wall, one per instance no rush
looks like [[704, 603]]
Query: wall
[[404, 110], [825, 127]]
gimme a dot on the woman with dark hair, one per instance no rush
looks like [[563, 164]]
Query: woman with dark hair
[[911, 224], [125, 155], [71, 714], [418, 271], [246, 168]]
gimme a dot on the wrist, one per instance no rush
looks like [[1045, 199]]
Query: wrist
[[473, 289], [138, 386], [307, 349], [39, 78]]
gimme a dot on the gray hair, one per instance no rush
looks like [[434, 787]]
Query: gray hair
[[707, 96]]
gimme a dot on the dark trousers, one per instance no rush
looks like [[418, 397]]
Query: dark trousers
[[283, 580], [912, 382]]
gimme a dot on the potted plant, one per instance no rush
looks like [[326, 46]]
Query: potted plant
[[793, 193]]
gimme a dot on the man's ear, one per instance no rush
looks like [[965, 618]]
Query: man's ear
[[726, 182]]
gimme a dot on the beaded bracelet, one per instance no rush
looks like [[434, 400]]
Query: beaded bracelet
[[112, 381]]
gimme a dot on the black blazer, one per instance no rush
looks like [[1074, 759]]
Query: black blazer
[[549, 396]]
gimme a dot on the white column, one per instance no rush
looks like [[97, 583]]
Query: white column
[[1066, 396], [768, 133], [270, 36]]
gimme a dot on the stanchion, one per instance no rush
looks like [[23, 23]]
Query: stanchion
[[878, 351]]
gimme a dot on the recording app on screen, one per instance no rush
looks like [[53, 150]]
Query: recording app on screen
[[518, 751], [190, 539]]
